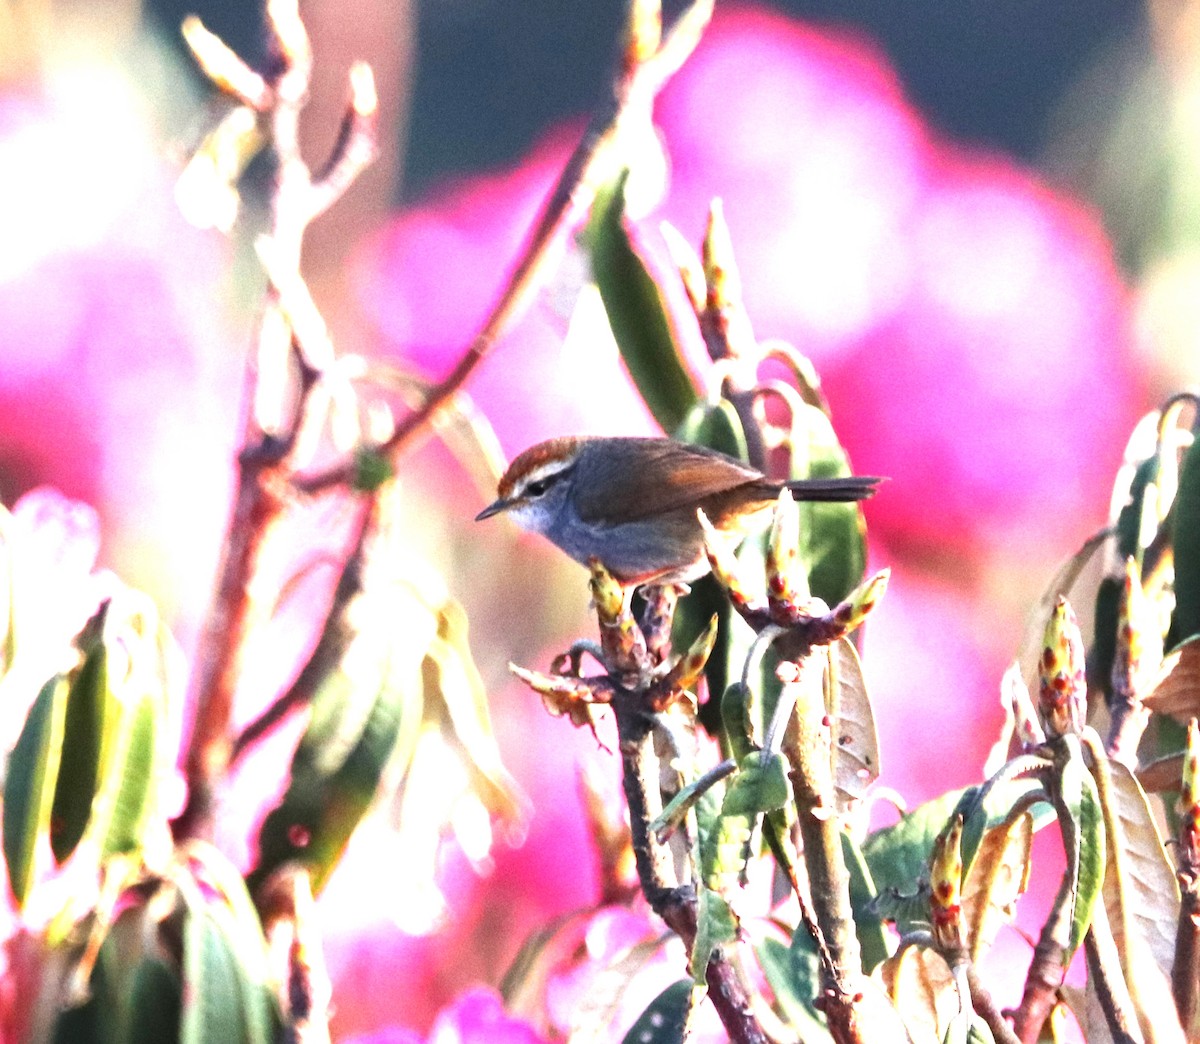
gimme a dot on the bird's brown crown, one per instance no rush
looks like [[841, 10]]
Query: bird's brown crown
[[535, 459]]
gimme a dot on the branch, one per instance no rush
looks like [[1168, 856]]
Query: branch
[[260, 499], [634, 88]]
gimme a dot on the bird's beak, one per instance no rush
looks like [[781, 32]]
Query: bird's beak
[[494, 508]]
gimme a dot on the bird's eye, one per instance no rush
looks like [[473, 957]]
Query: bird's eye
[[537, 488]]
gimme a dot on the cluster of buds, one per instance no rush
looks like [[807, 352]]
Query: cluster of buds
[[632, 653], [1062, 692], [786, 603]]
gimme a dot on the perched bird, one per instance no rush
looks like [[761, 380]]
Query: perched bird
[[632, 502]]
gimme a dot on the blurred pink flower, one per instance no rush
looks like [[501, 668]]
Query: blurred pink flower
[[476, 1017], [969, 323], [120, 373]]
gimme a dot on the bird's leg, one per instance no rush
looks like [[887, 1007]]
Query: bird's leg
[[571, 661]]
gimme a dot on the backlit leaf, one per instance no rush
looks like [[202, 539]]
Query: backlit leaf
[[29, 784], [1084, 842], [83, 734], [637, 312], [832, 536]]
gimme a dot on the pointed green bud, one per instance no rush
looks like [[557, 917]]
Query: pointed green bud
[[787, 583], [1062, 695]]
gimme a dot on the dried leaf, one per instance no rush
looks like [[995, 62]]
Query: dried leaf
[[856, 741], [1176, 691], [995, 882], [1140, 893]]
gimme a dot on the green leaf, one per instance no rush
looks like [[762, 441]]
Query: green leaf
[[716, 925], [832, 536], [637, 312], [335, 773], [136, 778], [212, 1007], [867, 922], [224, 996], [716, 426], [681, 804], [155, 1004], [79, 773], [794, 974], [29, 784], [1084, 841], [664, 1021], [760, 785], [1186, 535], [898, 856]]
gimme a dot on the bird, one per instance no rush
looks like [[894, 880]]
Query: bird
[[631, 503]]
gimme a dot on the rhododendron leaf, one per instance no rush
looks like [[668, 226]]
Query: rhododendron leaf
[[716, 925], [1186, 622], [637, 312], [124, 688], [832, 536], [760, 785], [88, 698], [335, 773], [134, 777], [663, 1022], [716, 426], [224, 994], [996, 880], [29, 784], [1140, 469], [215, 992], [868, 923], [155, 1004], [899, 854], [856, 750], [450, 675], [1084, 843], [921, 986], [794, 975], [1140, 893]]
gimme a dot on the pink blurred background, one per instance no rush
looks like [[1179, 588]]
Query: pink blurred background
[[976, 338]]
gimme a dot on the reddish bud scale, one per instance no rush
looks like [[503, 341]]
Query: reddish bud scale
[[1062, 692]]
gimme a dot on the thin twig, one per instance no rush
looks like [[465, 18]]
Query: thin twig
[[260, 498]]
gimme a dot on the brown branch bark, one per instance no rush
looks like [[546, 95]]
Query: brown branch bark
[[670, 893]]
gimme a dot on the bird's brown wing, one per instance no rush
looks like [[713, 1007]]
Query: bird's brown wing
[[654, 476]]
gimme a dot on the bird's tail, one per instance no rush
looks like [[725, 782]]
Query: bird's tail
[[854, 487]]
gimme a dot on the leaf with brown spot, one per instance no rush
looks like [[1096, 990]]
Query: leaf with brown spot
[[856, 741]]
